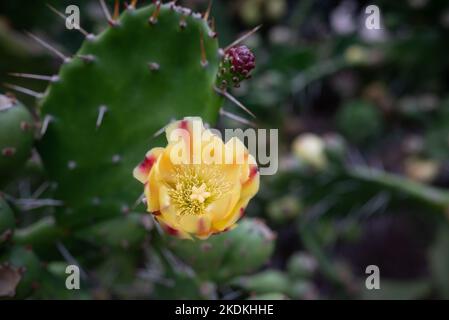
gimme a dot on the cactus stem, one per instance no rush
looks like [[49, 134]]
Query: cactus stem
[[207, 13], [49, 47], [236, 118], [243, 38], [87, 58], [231, 98], [23, 90], [8, 151], [101, 112], [155, 15], [63, 16], [154, 66], [71, 165], [45, 123], [204, 61], [53, 78]]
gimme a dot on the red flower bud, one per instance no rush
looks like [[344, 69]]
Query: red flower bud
[[237, 64]]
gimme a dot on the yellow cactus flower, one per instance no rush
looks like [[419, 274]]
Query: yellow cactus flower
[[197, 185]]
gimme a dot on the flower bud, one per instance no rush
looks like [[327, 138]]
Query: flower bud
[[237, 64], [310, 149]]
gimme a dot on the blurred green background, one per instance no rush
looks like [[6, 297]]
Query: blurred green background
[[363, 119]]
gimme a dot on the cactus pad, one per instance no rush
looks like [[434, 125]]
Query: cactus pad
[[230, 254], [16, 136], [27, 268], [7, 221], [152, 65]]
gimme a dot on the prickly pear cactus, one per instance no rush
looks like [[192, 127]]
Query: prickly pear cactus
[[151, 65], [233, 253], [16, 136], [123, 232], [98, 116], [7, 221]]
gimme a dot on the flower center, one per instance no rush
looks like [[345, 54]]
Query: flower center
[[196, 187], [200, 194]]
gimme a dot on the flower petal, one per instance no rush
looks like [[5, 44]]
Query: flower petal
[[142, 171], [179, 233], [221, 207], [230, 220], [251, 185], [200, 225], [152, 192]]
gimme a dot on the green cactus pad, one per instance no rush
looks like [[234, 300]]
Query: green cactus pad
[[264, 282], [184, 287], [121, 88], [7, 221], [229, 254], [29, 268], [16, 137], [123, 232]]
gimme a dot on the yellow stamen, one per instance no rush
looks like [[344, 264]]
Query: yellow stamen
[[196, 187]]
